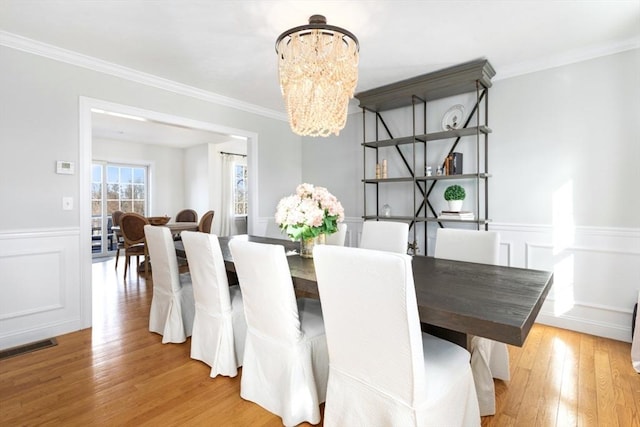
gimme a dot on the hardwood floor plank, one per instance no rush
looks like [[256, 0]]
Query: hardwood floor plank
[[118, 373], [587, 398], [604, 388], [534, 403], [568, 399]]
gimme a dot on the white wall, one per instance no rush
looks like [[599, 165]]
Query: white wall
[[40, 123], [196, 183], [563, 154]]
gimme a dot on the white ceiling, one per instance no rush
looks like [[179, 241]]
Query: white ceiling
[[227, 47]]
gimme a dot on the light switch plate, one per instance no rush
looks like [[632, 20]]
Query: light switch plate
[[67, 203]]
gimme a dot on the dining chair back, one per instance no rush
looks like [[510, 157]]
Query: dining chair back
[[132, 229], [115, 220], [489, 359], [383, 370], [285, 364], [172, 305], [187, 215], [387, 236], [204, 226], [338, 237], [219, 327]]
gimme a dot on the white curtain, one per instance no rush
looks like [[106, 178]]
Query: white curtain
[[226, 216]]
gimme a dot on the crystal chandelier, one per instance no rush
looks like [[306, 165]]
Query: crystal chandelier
[[318, 68]]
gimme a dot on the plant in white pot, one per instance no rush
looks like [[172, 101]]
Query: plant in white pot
[[454, 194]]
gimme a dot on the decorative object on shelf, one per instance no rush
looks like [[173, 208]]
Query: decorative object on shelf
[[454, 194], [453, 118], [309, 213], [457, 215], [428, 171], [455, 163], [386, 210], [158, 220], [381, 170], [318, 70]]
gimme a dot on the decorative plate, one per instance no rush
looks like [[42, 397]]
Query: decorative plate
[[453, 118]]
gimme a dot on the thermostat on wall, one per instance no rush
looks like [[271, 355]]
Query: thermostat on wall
[[64, 167]]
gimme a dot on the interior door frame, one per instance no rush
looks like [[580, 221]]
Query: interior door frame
[[85, 139]]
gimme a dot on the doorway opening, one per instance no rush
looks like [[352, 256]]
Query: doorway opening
[[88, 108]]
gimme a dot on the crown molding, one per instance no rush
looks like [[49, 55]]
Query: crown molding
[[24, 44], [566, 58]]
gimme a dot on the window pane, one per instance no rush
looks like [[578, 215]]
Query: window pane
[[112, 206], [240, 190], [126, 175], [126, 206], [96, 191], [96, 207], [138, 192], [138, 207], [126, 191], [96, 173], [113, 191], [139, 175], [113, 174]]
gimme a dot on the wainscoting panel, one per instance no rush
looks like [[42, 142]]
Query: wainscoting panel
[[596, 274], [39, 284]]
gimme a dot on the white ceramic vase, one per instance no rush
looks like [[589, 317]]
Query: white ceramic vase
[[455, 205]]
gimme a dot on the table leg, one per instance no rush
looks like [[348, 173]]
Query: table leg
[[460, 338]]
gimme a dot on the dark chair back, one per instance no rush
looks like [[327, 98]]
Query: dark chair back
[[115, 217], [206, 221], [132, 228], [187, 215]]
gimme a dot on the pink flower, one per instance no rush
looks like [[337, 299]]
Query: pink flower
[[303, 214]]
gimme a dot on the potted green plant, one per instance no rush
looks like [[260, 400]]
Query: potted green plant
[[454, 194]]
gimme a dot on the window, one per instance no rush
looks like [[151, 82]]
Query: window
[[240, 189], [114, 188]]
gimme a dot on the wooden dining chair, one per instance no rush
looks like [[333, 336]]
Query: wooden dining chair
[[383, 370], [285, 364], [115, 219], [132, 229], [204, 226], [489, 359], [390, 236], [187, 215], [219, 327]]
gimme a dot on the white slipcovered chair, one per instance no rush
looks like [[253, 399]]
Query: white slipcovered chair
[[172, 306], [219, 327], [635, 341], [489, 359], [337, 238], [383, 370], [286, 365], [387, 236]]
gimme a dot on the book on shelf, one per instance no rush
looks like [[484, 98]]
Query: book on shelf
[[456, 215]]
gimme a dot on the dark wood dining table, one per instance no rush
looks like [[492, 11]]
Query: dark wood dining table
[[455, 299], [175, 227]]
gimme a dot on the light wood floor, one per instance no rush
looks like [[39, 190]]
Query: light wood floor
[[118, 373]]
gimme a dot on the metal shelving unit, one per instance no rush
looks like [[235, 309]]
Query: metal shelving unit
[[416, 93]]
